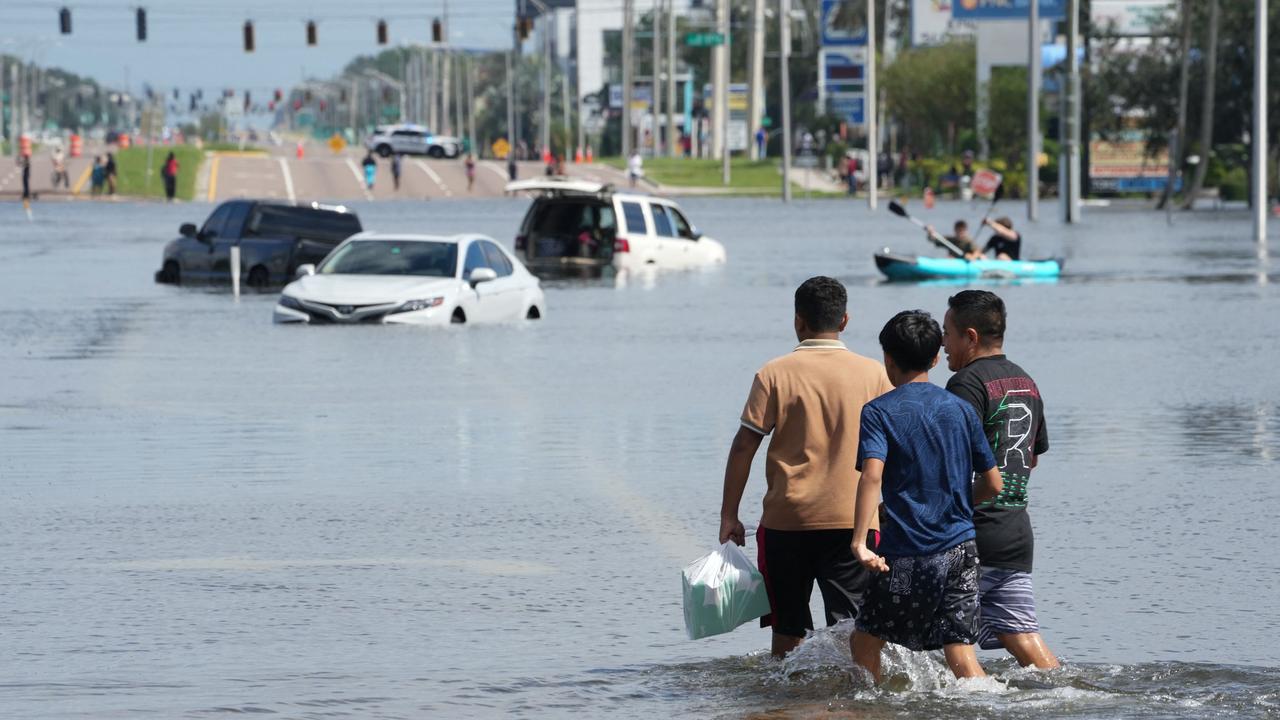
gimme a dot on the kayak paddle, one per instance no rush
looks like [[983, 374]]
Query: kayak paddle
[[937, 239], [995, 198]]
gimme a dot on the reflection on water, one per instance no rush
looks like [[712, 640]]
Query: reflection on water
[[204, 513]]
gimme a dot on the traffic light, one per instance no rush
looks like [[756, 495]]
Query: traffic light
[[279, 94], [248, 36], [525, 26], [64, 21], [382, 32], [142, 24], [311, 32], [437, 31]]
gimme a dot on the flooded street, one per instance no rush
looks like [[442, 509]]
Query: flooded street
[[203, 513]]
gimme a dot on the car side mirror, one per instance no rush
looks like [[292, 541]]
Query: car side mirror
[[304, 270], [695, 233], [187, 230], [481, 274]]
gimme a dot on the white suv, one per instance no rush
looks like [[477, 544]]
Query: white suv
[[578, 226], [388, 140]]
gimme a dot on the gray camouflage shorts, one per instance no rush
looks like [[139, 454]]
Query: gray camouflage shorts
[[925, 601]]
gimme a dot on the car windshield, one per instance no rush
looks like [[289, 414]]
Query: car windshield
[[393, 257]]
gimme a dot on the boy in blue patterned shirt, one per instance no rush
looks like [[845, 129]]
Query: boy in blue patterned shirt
[[919, 447]]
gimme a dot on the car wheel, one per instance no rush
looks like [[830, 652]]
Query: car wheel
[[458, 317], [384, 150], [258, 277], [436, 151], [533, 313], [171, 273]]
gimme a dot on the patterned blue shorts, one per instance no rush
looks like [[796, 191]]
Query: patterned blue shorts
[[925, 601]]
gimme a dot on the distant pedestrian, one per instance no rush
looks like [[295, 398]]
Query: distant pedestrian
[[98, 178], [25, 162], [370, 170], [884, 170], [60, 169], [396, 161], [761, 136], [635, 167], [851, 173], [686, 144], [110, 170], [513, 170], [169, 171], [470, 163]]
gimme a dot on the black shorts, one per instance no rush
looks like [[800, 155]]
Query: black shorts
[[925, 601], [791, 560]]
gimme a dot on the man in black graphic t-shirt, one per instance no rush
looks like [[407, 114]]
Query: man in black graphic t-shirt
[[1012, 412]]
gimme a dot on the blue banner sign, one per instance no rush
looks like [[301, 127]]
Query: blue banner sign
[[1006, 9]]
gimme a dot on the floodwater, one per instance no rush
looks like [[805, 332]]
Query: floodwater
[[204, 514]]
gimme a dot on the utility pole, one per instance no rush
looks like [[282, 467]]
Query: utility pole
[[722, 87], [718, 91], [564, 106], [655, 88], [1033, 110], [1259, 130], [511, 100], [1071, 155], [756, 89], [672, 144], [471, 106], [433, 105], [869, 107], [628, 50], [351, 106], [784, 70], [546, 79]]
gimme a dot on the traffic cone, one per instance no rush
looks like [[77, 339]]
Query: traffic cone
[[123, 141], [590, 156], [546, 156], [928, 198], [77, 145], [300, 152], [577, 155]]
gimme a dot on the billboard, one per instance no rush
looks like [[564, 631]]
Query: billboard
[[849, 106], [932, 23], [1125, 166], [844, 22], [1134, 18], [1006, 9]]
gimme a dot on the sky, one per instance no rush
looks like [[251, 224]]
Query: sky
[[198, 44]]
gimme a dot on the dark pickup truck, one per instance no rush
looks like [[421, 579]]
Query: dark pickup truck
[[274, 239]]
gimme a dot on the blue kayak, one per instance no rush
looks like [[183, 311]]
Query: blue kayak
[[903, 266]]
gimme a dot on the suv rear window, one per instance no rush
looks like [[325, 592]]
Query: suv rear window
[[302, 222], [635, 218]]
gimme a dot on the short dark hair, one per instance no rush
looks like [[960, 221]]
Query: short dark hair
[[1005, 221], [912, 338], [821, 303], [981, 310], [961, 225]]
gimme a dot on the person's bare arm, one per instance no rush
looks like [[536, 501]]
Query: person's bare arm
[[1001, 230], [988, 485], [736, 471], [865, 512]]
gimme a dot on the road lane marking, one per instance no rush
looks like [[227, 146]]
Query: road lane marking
[[84, 178], [288, 179], [359, 178], [213, 177], [493, 167], [435, 177]]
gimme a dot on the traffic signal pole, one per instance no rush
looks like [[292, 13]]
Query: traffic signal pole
[[628, 51], [672, 139], [784, 71]]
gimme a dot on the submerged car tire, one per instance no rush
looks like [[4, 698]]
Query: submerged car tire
[[259, 278], [170, 273], [436, 151], [384, 150], [459, 317]]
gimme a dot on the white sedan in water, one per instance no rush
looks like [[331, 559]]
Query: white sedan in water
[[414, 279]]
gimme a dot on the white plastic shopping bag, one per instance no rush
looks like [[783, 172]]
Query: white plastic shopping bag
[[722, 590]]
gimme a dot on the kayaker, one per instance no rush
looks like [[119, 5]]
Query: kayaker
[[962, 239], [1006, 243]]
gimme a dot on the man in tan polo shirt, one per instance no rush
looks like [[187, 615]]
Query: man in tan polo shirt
[[811, 402]]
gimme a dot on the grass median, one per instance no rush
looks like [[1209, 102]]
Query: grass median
[[131, 171], [744, 174]]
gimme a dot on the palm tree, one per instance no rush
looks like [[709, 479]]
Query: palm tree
[[1176, 142], [1206, 108]]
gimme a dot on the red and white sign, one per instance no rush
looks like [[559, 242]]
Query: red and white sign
[[985, 182]]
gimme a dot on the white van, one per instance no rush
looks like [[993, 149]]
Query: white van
[[578, 226]]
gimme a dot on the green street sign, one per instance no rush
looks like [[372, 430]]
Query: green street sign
[[703, 39], [766, 121]]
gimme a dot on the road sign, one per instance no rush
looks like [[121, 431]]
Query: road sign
[[851, 107], [703, 39], [500, 148], [985, 182], [337, 143], [844, 23]]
